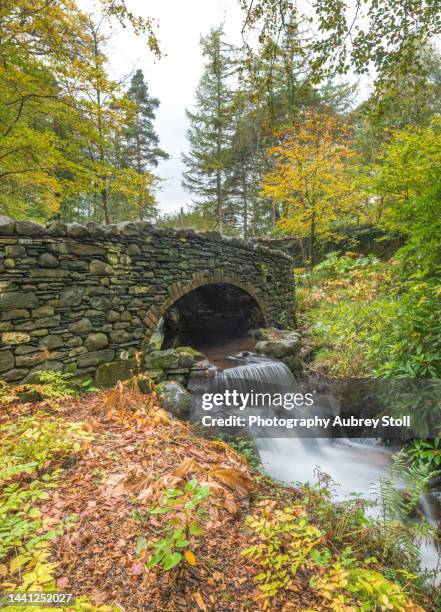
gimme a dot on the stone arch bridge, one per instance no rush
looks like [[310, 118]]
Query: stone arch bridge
[[82, 298]]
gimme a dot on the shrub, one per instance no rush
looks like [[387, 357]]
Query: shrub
[[184, 511], [30, 450]]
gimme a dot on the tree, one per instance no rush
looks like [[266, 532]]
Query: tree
[[210, 132], [311, 179], [407, 184], [275, 90], [381, 38], [37, 43], [142, 142], [50, 64]]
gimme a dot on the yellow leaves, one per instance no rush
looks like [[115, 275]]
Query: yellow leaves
[[311, 175], [18, 563], [190, 557]]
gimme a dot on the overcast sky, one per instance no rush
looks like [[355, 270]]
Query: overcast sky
[[172, 79]]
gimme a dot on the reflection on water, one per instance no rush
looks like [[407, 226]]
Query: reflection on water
[[225, 354]]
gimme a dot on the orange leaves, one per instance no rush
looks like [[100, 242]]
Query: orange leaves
[[187, 466], [240, 482], [129, 406], [134, 481]]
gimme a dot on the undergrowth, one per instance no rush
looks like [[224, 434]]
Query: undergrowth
[[349, 559]]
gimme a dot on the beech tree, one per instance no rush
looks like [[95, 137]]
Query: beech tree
[[311, 179]]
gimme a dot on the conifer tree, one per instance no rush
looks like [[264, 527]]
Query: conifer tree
[[211, 125], [142, 141]]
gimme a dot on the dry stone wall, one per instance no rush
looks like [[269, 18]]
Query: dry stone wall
[[84, 299]]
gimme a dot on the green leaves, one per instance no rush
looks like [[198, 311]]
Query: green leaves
[[195, 529], [181, 507], [285, 540], [171, 560], [28, 445]]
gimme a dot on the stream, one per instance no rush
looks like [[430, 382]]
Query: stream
[[356, 466]]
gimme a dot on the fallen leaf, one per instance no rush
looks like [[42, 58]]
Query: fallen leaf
[[190, 557], [136, 569], [236, 480], [198, 599], [187, 466]]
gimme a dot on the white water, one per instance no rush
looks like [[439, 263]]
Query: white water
[[356, 467]]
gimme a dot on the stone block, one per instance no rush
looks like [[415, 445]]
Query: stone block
[[14, 314], [95, 358], [47, 260], [15, 338], [29, 228], [50, 342], [6, 360], [18, 299], [109, 374], [96, 341], [7, 226], [71, 296]]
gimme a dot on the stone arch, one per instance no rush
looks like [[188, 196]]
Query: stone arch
[[177, 291]]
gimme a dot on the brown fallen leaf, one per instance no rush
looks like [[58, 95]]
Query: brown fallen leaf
[[236, 480], [187, 466], [63, 583], [136, 569]]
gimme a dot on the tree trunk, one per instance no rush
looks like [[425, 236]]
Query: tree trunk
[[312, 240], [245, 203], [104, 192]]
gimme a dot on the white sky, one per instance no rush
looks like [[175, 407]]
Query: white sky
[[172, 79]]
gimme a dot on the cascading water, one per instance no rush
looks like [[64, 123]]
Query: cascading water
[[355, 466], [351, 464]]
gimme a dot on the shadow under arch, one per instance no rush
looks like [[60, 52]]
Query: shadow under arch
[[218, 305]]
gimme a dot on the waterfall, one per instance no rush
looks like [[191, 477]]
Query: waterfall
[[295, 459], [355, 465]]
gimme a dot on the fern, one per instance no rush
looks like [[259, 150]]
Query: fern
[[397, 502], [398, 494]]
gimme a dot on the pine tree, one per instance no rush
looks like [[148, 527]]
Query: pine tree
[[211, 125], [142, 142]]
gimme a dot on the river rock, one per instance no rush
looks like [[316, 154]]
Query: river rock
[[174, 398], [265, 333], [188, 356], [278, 343]]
